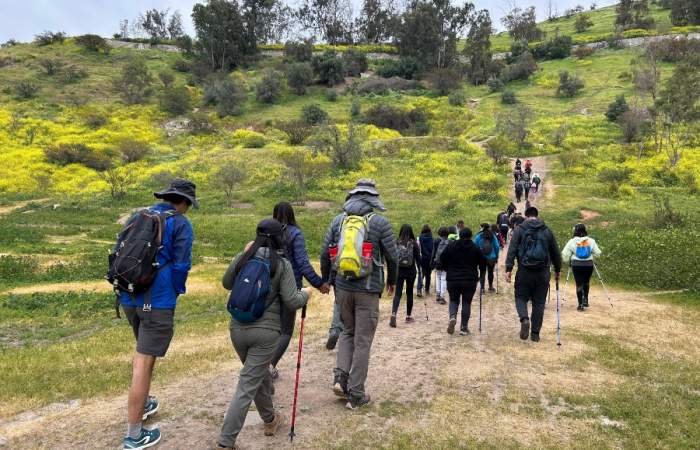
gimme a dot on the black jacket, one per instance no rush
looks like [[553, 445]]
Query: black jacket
[[530, 224], [461, 259]]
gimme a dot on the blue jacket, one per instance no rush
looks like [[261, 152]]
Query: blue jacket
[[493, 256], [426, 248], [175, 260], [297, 255]]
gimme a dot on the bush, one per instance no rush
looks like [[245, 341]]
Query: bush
[[331, 95], [405, 67], [182, 65], [569, 85], [199, 123], [296, 130], [329, 68], [64, 154], [228, 95], [313, 114], [166, 77], [355, 62], [131, 150], [382, 86], [299, 76], [664, 215], [582, 23], [51, 65], [298, 51], [344, 149], [582, 51], [558, 47], [26, 89], [508, 98], [559, 135], [617, 108], [134, 83], [413, 121], [568, 160], [95, 119], [119, 180], [355, 109], [495, 84], [270, 87], [521, 69], [457, 98], [175, 100], [445, 80], [73, 74], [49, 37], [613, 177], [92, 43], [248, 138]]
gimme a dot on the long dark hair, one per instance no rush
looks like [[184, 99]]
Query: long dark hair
[[426, 229], [268, 234], [406, 234], [580, 230], [284, 213], [443, 232], [486, 231]]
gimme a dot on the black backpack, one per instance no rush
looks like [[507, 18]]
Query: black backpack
[[486, 246], [406, 254], [133, 265], [533, 252]]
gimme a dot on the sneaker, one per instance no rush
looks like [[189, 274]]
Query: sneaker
[[579, 308], [419, 293], [271, 428], [355, 402], [151, 407], [524, 329], [535, 337], [332, 341], [392, 321], [464, 331], [491, 289], [410, 319], [442, 301], [585, 303], [451, 325], [274, 373], [147, 438], [340, 386]]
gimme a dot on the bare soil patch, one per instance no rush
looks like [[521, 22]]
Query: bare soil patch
[[318, 204], [587, 214]]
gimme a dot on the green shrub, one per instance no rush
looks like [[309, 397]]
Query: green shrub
[[495, 84], [51, 65], [296, 130], [182, 65], [134, 82], [664, 216], [582, 51], [132, 150], [568, 160], [406, 67], [613, 177], [331, 95], [227, 94], [199, 123], [558, 47], [49, 37], [64, 154], [299, 76], [298, 51], [445, 80], [175, 100], [617, 108], [569, 85], [355, 62], [26, 89], [313, 114], [95, 119], [383, 86], [355, 109], [73, 74], [508, 98], [270, 87], [414, 121], [457, 98], [583, 22], [521, 69], [329, 68], [166, 77], [92, 43]]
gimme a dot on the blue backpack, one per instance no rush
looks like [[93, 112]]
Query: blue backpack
[[248, 299]]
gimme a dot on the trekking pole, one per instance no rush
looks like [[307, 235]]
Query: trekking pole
[[496, 277], [563, 296], [296, 382], [481, 294], [558, 319], [603, 284], [425, 303]]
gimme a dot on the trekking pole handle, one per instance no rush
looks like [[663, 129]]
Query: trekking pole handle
[[303, 312]]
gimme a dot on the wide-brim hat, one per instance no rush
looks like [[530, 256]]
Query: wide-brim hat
[[183, 188], [365, 186]]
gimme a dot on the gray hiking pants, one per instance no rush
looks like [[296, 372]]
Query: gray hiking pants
[[255, 348], [336, 324], [359, 312]]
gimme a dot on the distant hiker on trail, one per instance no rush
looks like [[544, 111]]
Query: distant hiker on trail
[[579, 253], [528, 166], [535, 247], [502, 224], [409, 259], [527, 204], [517, 175], [511, 209], [518, 164], [496, 230], [295, 252], [526, 185], [487, 242], [461, 260], [515, 221], [356, 244], [440, 275], [262, 282], [150, 308], [518, 191], [536, 180], [425, 241]]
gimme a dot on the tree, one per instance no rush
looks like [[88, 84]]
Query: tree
[[633, 14], [175, 100], [330, 19], [514, 124], [583, 22], [264, 20], [49, 37], [175, 28], [646, 72], [497, 148], [228, 176], [123, 29], [299, 76], [313, 114], [270, 87], [445, 80], [227, 94], [302, 167], [522, 24], [559, 135], [377, 21], [298, 51], [51, 65], [155, 23], [569, 85], [92, 43], [329, 68], [685, 12], [221, 34], [355, 62], [134, 83], [477, 48], [633, 121], [343, 148]]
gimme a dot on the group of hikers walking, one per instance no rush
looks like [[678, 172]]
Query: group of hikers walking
[[525, 181], [360, 259]]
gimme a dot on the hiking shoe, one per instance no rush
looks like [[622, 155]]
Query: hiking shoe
[[451, 325], [332, 341], [491, 289], [271, 428], [442, 301], [340, 386], [392, 321], [524, 329], [147, 438], [355, 402], [419, 293], [151, 407], [464, 331], [274, 373], [410, 319], [585, 303], [535, 337], [579, 308]]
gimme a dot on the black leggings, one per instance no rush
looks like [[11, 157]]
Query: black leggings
[[463, 291], [427, 275], [288, 319], [409, 280], [490, 265], [582, 277]]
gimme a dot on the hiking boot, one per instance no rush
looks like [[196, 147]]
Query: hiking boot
[[491, 289], [355, 402], [274, 373], [392, 321], [535, 337], [150, 408], [524, 329], [340, 386], [332, 341], [271, 428], [147, 438], [451, 325], [464, 331], [410, 319]]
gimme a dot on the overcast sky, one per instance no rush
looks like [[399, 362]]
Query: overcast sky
[[22, 19]]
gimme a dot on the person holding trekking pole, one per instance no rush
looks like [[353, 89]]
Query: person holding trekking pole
[[534, 246], [439, 247], [579, 253], [409, 257], [488, 244], [426, 242], [357, 246], [295, 252], [262, 282]]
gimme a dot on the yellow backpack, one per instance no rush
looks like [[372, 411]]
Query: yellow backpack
[[353, 259]]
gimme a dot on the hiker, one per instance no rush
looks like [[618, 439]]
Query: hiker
[[511, 209], [526, 185], [518, 164], [535, 247], [502, 224], [490, 248], [409, 259], [425, 242], [528, 166], [295, 252], [536, 180], [439, 247], [359, 282], [496, 230], [459, 227], [517, 175], [255, 333], [518, 191], [453, 233], [151, 312], [461, 260], [579, 253]]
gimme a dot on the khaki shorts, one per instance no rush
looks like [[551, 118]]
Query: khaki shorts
[[153, 329]]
